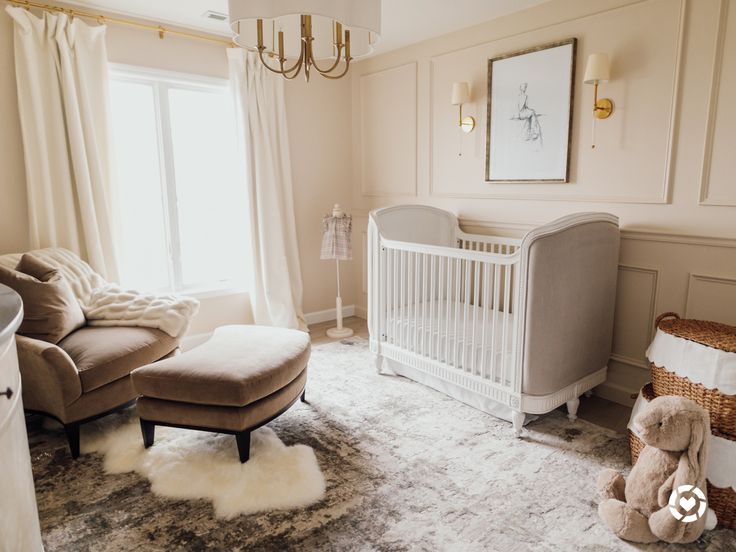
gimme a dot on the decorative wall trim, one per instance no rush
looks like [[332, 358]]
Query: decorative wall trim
[[651, 314], [626, 234], [328, 314], [665, 195], [720, 40], [415, 191], [623, 359], [615, 393], [703, 278]]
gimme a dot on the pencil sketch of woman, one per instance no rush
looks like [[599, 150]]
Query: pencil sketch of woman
[[532, 130]]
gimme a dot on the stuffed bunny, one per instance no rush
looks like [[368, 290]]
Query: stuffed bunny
[[676, 432]]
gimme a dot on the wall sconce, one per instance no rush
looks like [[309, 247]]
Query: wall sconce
[[597, 70], [461, 95]]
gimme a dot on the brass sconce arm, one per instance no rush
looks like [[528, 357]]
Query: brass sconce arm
[[603, 108]]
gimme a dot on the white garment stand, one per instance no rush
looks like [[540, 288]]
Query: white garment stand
[[339, 331]]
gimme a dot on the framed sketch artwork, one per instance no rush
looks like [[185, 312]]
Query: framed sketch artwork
[[530, 96]]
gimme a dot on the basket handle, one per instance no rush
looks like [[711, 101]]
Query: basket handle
[[665, 315]]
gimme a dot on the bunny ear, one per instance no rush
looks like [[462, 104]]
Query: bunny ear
[[696, 451], [693, 451]]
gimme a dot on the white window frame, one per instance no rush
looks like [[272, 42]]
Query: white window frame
[[161, 81]]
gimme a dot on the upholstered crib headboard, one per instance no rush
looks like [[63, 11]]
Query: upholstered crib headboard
[[570, 267], [417, 224]]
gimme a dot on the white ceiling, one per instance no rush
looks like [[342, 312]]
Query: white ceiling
[[403, 21]]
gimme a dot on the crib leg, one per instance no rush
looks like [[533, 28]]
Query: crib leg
[[379, 363], [572, 409], [517, 418]]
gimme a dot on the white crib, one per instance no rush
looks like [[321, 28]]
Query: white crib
[[509, 326]]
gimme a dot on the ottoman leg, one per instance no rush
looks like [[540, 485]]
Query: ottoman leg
[[243, 441], [147, 430]]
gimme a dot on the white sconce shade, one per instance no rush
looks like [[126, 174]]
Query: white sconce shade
[[460, 93], [598, 69]]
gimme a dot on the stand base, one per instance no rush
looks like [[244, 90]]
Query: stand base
[[339, 332]]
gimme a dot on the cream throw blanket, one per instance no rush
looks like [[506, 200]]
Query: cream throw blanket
[[106, 304]]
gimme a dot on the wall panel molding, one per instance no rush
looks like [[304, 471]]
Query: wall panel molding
[[713, 305], [665, 194], [713, 97], [412, 68], [645, 318], [626, 234]]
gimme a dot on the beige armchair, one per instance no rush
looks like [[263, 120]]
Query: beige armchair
[[87, 374]]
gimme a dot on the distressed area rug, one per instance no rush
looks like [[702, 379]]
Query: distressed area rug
[[406, 468]]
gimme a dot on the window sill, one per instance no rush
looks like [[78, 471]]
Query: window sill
[[212, 293]]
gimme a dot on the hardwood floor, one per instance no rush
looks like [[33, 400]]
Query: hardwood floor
[[592, 409]]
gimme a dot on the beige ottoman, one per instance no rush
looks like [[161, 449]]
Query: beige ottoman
[[239, 380]]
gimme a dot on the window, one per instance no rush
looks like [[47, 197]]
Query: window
[[180, 197]]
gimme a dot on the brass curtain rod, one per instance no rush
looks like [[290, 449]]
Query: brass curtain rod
[[102, 19]]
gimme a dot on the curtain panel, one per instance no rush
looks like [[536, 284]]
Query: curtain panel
[[259, 97], [62, 79]]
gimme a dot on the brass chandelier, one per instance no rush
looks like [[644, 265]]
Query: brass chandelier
[[294, 35]]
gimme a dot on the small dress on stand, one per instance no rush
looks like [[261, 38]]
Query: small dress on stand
[[336, 243]]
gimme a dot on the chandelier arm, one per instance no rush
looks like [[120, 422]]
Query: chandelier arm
[[341, 75], [282, 71], [334, 65], [294, 69]]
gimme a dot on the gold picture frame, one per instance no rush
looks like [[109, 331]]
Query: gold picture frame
[[522, 162]]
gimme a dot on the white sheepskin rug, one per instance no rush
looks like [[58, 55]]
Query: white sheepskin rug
[[186, 464]]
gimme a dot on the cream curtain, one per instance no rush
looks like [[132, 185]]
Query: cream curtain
[[62, 78], [277, 287]]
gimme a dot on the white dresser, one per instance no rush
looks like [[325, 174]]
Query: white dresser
[[19, 528]]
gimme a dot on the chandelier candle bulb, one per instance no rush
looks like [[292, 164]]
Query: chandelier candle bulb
[[259, 24]]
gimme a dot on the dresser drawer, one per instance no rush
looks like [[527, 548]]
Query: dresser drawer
[[9, 377]]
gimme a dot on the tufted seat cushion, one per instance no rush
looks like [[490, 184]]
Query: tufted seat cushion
[[238, 366], [105, 354]]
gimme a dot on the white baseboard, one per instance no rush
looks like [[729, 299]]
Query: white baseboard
[[361, 312], [328, 314], [616, 393]]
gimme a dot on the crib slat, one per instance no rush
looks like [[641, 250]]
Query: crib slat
[[476, 302], [484, 324], [409, 290], [417, 299], [432, 300], [494, 325], [466, 269], [457, 299], [506, 305]]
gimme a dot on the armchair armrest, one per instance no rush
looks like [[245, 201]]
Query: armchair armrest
[[49, 377]]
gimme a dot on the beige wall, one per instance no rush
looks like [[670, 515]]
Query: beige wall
[[319, 132], [664, 162], [318, 117]]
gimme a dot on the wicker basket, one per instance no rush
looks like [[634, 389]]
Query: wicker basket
[[723, 501], [722, 407]]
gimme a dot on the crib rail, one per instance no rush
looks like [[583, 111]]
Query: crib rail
[[488, 244], [453, 306]]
